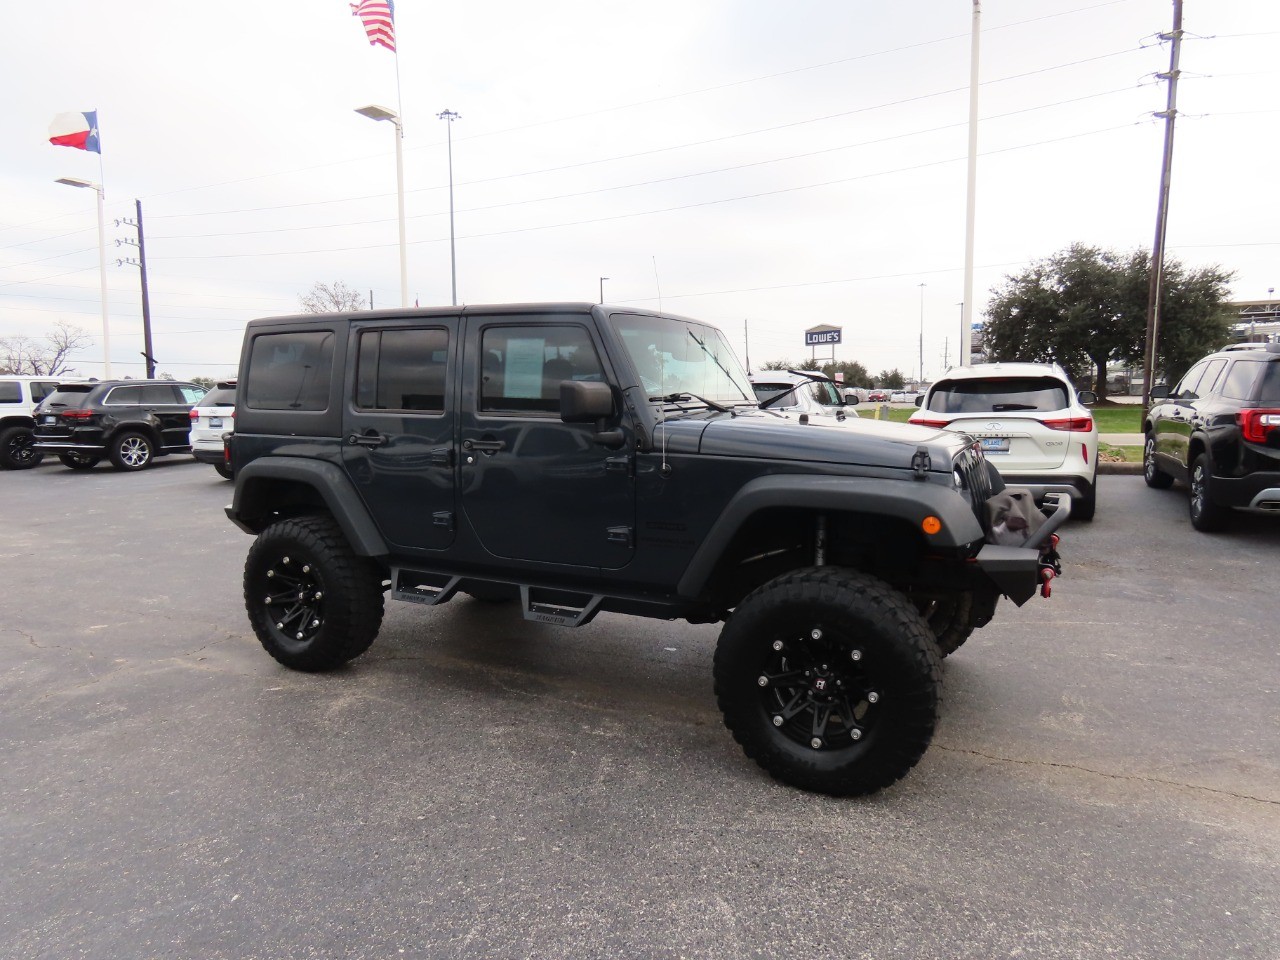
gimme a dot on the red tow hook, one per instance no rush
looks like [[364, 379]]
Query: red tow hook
[[1046, 575], [1050, 566]]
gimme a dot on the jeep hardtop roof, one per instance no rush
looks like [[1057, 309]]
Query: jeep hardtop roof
[[485, 309]]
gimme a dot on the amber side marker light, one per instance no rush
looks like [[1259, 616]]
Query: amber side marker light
[[931, 525]]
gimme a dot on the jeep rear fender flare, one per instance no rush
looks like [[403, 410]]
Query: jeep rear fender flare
[[902, 499], [327, 479]]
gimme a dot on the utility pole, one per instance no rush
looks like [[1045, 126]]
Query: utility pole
[[1162, 210], [450, 116], [946, 353], [920, 379], [141, 264]]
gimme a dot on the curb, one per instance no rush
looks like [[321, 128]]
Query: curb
[[1121, 468]]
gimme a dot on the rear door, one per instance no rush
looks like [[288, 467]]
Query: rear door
[[399, 421], [164, 406]]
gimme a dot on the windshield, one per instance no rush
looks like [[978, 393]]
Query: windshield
[[679, 356]]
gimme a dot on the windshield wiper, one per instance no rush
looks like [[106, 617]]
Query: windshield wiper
[[716, 359], [686, 397]]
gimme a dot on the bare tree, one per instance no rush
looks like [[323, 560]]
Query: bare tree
[[28, 356], [331, 298]]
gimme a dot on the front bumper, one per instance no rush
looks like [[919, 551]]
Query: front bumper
[[1018, 572], [1042, 485]]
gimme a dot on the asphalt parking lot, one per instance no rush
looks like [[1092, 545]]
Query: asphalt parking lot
[[1105, 781]]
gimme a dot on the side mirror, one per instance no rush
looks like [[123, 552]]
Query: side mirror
[[584, 401], [919, 399], [1160, 392], [1087, 397], [852, 400]]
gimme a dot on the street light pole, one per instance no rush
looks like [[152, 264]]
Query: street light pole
[[450, 116], [375, 112], [966, 312], [920, 379], [102, 267], [602, 280]]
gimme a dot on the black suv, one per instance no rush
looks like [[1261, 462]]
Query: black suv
[[1219, 429], [578, 458], [130, 421]]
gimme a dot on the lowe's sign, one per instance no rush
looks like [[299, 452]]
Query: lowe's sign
[[819, 336]]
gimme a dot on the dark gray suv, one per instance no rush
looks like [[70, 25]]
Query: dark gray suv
[[130, 421], [578, 458]]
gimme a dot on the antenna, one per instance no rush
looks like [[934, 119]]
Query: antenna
[[657, 283]]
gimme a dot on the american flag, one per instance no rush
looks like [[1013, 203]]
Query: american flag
[[378, 17]]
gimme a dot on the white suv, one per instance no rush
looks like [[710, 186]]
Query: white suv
[[213, 415], [1031, 422], [18, 399], [802, 391]]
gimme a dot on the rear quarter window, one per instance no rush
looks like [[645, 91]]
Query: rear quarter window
[[290, 371], [1240, 379], [1269, 389], [10, 392], [1006, 394]]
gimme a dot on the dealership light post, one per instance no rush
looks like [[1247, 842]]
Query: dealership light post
[[602, 280], [450, 116], [966, 312], [375, 112], [102, 268], [920, 379]]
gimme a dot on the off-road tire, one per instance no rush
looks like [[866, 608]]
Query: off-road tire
[[17, 449], [1206, 516], [1156, 478], [131, 450], [873, 659], [79, 461], [950, 619], [313, 603]]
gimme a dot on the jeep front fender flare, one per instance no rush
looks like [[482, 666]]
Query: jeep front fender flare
[[328, 480], [901, 499]]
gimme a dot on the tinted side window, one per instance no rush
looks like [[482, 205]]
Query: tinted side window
[[1269, 389], [1186, 388], [290, 371], [10, 391], [42, 389], [159, 393], [123, 396], [188, 393], [402, 369], [1210, 378], [1240, 379], [522, 367]]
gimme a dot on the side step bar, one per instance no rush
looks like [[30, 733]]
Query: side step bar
[[545, 605]]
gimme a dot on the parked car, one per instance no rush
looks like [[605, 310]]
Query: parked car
[[214, 416], [130, 421], [1219, 429], [1031, 422], [877, 396], [18, 399], [802, 392]]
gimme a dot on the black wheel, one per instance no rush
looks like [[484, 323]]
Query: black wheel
[[224, 471], [313, 603], [131, 451], [830, 680], [1206, 515], [79, 461], [1154, 476], [17, 449], [950, 619], [1083, 508]]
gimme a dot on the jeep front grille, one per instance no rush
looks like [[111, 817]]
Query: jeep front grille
[[972, 467]]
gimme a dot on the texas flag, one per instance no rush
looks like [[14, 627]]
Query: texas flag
[[79, 130]]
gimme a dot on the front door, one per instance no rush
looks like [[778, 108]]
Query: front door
[[533, 487], [398, 428]]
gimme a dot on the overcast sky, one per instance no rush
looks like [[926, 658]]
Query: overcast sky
[[764, 166]]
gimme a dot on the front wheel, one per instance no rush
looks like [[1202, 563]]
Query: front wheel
[[18, 449], [830, 680], [79, 461], [1206, 516], [951, 619], [132, 451], [313, 602], [1153, 475]]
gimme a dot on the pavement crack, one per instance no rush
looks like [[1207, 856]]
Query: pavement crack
[[1199, 788]]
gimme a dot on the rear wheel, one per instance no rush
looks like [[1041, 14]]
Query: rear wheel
[[79, 461], [1153, 475], [1083, 508], [224, 471], [18, 450], [313, 603], [131, 451], [830, 680], [1206, 515]]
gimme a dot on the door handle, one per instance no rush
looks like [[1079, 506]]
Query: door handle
[[370, 439], [484, 446]]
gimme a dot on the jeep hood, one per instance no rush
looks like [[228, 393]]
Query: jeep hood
[[761, 435]]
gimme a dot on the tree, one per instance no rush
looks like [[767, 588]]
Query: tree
[[808, 363], [331, 298], [855, 374], [1084, 308], [891, 379], [30, 357], [205, 382]]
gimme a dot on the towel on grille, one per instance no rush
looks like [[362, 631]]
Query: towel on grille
[[1013, 516]]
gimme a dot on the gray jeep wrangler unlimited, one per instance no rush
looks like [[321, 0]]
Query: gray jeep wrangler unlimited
[[578, 458]]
